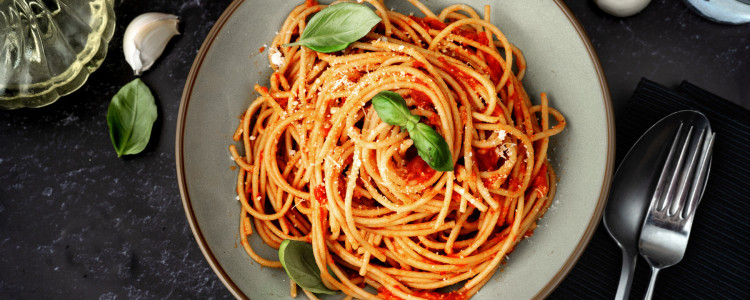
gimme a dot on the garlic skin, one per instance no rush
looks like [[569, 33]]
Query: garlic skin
[[622, 8], [146, 37]]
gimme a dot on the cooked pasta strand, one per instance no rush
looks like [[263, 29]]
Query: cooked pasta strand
[[320, 166]]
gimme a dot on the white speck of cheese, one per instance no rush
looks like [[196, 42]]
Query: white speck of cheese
[[276, 57], [501, 134]]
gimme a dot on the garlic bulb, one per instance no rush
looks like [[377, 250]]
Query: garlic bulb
[[622, 8], [146, 37]]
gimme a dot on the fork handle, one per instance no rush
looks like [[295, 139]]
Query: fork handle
[[652, 283], [626, 275]]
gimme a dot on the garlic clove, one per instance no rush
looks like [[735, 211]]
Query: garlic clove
[[146, 37]]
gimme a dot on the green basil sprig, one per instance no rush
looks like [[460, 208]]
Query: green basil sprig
[[335, 27], [431, 146], [298, 261], [130, 116]]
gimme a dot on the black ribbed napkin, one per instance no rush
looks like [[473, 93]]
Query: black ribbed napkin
[[717, 261]]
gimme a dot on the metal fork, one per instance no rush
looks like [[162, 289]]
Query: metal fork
[[667, 225]]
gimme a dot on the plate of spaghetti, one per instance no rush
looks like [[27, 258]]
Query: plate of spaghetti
[[410, 150]]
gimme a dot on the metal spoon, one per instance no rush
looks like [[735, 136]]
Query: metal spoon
[[632, 188]]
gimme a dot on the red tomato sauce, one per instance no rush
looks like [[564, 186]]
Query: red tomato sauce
[[418, 170], [488, 159], [473, 35], [419, 65], [456, 72], [541, 185], [421, 99], [326, 129], [513, 184], [498, 111], [320, 194], [433, 120], [419, 21], [496, 70], [433, 23]]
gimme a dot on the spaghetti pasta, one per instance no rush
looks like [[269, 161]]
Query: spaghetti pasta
[[320, 166]]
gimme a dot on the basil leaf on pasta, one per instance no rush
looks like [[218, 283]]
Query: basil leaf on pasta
[[130, 116], [335, 27], [432, 147], [298, 261], [392, 109]]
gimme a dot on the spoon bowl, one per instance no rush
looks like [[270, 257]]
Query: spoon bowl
[[632, 187]]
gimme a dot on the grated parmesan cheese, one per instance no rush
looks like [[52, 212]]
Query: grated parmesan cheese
[[276, 57], [501, 134]]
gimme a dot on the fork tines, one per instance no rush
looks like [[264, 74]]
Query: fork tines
[[684, 173]]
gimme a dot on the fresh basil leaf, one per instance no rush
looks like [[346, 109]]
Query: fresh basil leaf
[[432, 147], [130, 116], [392, 109], [298, 261], [337, 26]]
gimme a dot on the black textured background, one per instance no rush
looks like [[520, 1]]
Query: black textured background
[[717, 262], [78, 222]]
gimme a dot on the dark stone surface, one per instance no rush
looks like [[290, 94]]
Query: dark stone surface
[[667, 43], [76, 221]]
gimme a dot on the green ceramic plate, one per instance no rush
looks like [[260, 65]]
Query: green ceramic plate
[[561, 62]]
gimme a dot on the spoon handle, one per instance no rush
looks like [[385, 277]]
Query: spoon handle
[[652, 283], [626, 275]]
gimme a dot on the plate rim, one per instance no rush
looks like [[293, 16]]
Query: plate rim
[[179, 146], [543, 293]]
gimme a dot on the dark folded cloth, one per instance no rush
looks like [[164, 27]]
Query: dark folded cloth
[[717, 261]]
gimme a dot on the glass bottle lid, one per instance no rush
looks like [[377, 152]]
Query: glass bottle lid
[[48, 48]]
